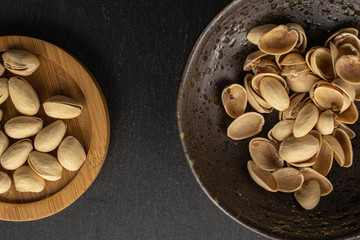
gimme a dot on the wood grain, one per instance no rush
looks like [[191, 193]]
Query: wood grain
[[59, 73]]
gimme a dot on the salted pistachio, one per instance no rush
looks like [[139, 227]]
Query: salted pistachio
[[278, 40], [2, 69], [265, 154], [295, 150], [301, 82], [26, 180], [308, 196], [326, 122], [274, 93], [5, 182], [16, 155], [254, 58], [20, 62], [296, 103], [23, 126], [352, 31], [4, 89], [234, 99], [336, 147], [302, 39], [324, 160], [71, 153], [306, 120], [23, 96], [4, 142], [62, 107], [345, 142], [283, 129], [327, 96], [262, 177], [348, 68], [348, 130], [350, 115], [289, 179], [45, 165], [320, 62], [50, 136], [245, 126], [252, 96], [325, 185], [256, 33]]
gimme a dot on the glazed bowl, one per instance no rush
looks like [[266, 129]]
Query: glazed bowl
[[219, 163]]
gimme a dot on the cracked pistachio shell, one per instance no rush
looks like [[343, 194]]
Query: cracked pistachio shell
[[325, 185], [274, 93], [23, 96], [306, 120], [335, 146], [254, 58], [256, 33], [296, 103], [308, 196], [4, 90], [266, 66], [327, 96], [23, 126], [326, 122], [245, 126], [283, 129], [262, 177], [345, 142], [252, 96], [45, 165], [289, 179], [71, 154], [301, 82], [234, 99], [26, 180], [352, 31], [295, 150], [265, 154], [20, 62], [324, 160], [320, 62], [278, 40], [16, 155], [62, 107], [348, 68], [50, 136], [5, 182]]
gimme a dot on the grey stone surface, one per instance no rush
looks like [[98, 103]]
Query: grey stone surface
[[136, 50]]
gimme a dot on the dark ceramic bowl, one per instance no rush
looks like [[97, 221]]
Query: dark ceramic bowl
[[219, 163]]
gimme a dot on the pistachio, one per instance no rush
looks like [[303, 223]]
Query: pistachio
[[50, 136], [262, 177], [5, 182], [26, 180], [245, 126], [23, 126], [23, 96], [308, 196], [4, 90], [289, 179], [265, 154], [295, 150], [20, 62], [16, 155], [71, 154], [45, 165], [62, 107]]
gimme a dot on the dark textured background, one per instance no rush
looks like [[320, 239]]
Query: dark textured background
[[136, 50]]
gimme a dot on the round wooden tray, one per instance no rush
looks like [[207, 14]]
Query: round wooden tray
[[59, 73]]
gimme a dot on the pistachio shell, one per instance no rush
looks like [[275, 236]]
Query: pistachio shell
[[325, 124], [256, 33], [20, 62], [336, 147], [288, 179], [262, 177], [4, 90], [283, 129], [45, 165], [245, 126], [71, 154], [23, 96], [348, 68], [346, 87], [256, 80], [347, 39], [16, 155], [346, 145], [4, 142], [321, 63], [350, 115], [251, 96], [26, 180], [265, 154], [50, 136], [234, 100], [266, 66], [278, 40], [296, 103], [325, 185], [5, 182], [353, 31], [274, 93], [294, 70], [306, 120], [327, 96], [254, 58], [308, 196], [308, 163], [302, 40], [293, 59], [2, 69], [348, 130], [357, 91], [62, 107], [301, 82], [295, 150], [324, 160], [23, 126]]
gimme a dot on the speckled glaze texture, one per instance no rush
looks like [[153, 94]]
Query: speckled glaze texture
[[219, 163]]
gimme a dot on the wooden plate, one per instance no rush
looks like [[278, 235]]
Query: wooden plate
[[59, 73]]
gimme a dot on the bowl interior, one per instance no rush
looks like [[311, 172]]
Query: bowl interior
[[219, 163]]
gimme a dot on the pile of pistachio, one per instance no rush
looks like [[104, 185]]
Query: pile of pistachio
[[312, 126], [40, 165]]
